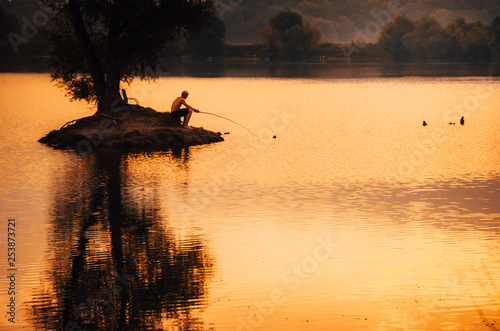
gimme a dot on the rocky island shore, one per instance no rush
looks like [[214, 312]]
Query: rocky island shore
[[131, 129]]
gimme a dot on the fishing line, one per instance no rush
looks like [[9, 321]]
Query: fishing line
[[204, 112]]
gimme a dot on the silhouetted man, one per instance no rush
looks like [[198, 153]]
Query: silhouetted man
[[177, 111]]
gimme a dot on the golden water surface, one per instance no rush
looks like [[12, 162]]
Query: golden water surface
[[355, 217]]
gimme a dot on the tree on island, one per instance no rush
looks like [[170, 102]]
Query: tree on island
[[98, 44], [288, 35]]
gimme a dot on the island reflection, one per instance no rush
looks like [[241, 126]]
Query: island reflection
[[113, 264]]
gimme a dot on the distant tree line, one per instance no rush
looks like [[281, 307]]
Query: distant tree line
[[427, 38], [339, 19], [287, 37]]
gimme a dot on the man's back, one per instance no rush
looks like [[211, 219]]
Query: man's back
[[178, 102]]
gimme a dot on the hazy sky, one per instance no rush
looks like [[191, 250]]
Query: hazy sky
[[338, 20], [343, 21]]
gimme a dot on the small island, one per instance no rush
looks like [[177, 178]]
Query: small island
[[133, 129]]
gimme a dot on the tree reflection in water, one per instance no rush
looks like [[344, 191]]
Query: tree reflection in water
[[112, 263]]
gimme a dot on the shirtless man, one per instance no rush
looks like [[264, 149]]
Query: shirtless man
[[176, 110]]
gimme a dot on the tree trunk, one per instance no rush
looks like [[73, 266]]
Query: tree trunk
[[111, 101], [88, 50], [106, 79]]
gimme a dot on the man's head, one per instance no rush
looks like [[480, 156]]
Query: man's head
[[185, 94]]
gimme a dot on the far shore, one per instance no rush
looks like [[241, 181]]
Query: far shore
[[254, 66]]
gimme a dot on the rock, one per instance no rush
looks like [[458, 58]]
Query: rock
[[145, 129]]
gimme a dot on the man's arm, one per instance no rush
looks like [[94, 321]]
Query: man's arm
[[189, 107]]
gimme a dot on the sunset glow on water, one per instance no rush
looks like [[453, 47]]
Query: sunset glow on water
[[356, 217]]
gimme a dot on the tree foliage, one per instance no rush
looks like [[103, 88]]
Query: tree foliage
[[288, 37], [495, 37], [273, 38], [427, 38], [8, 23], [391, 36], [210, 42], [97, 44], [475, 42], [285, 20]]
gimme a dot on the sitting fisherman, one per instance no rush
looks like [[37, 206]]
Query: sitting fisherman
[[177, 111]]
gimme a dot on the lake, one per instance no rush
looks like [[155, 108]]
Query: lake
[[355, 217]]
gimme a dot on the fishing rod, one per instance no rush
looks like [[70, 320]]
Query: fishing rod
[[204, 112]]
